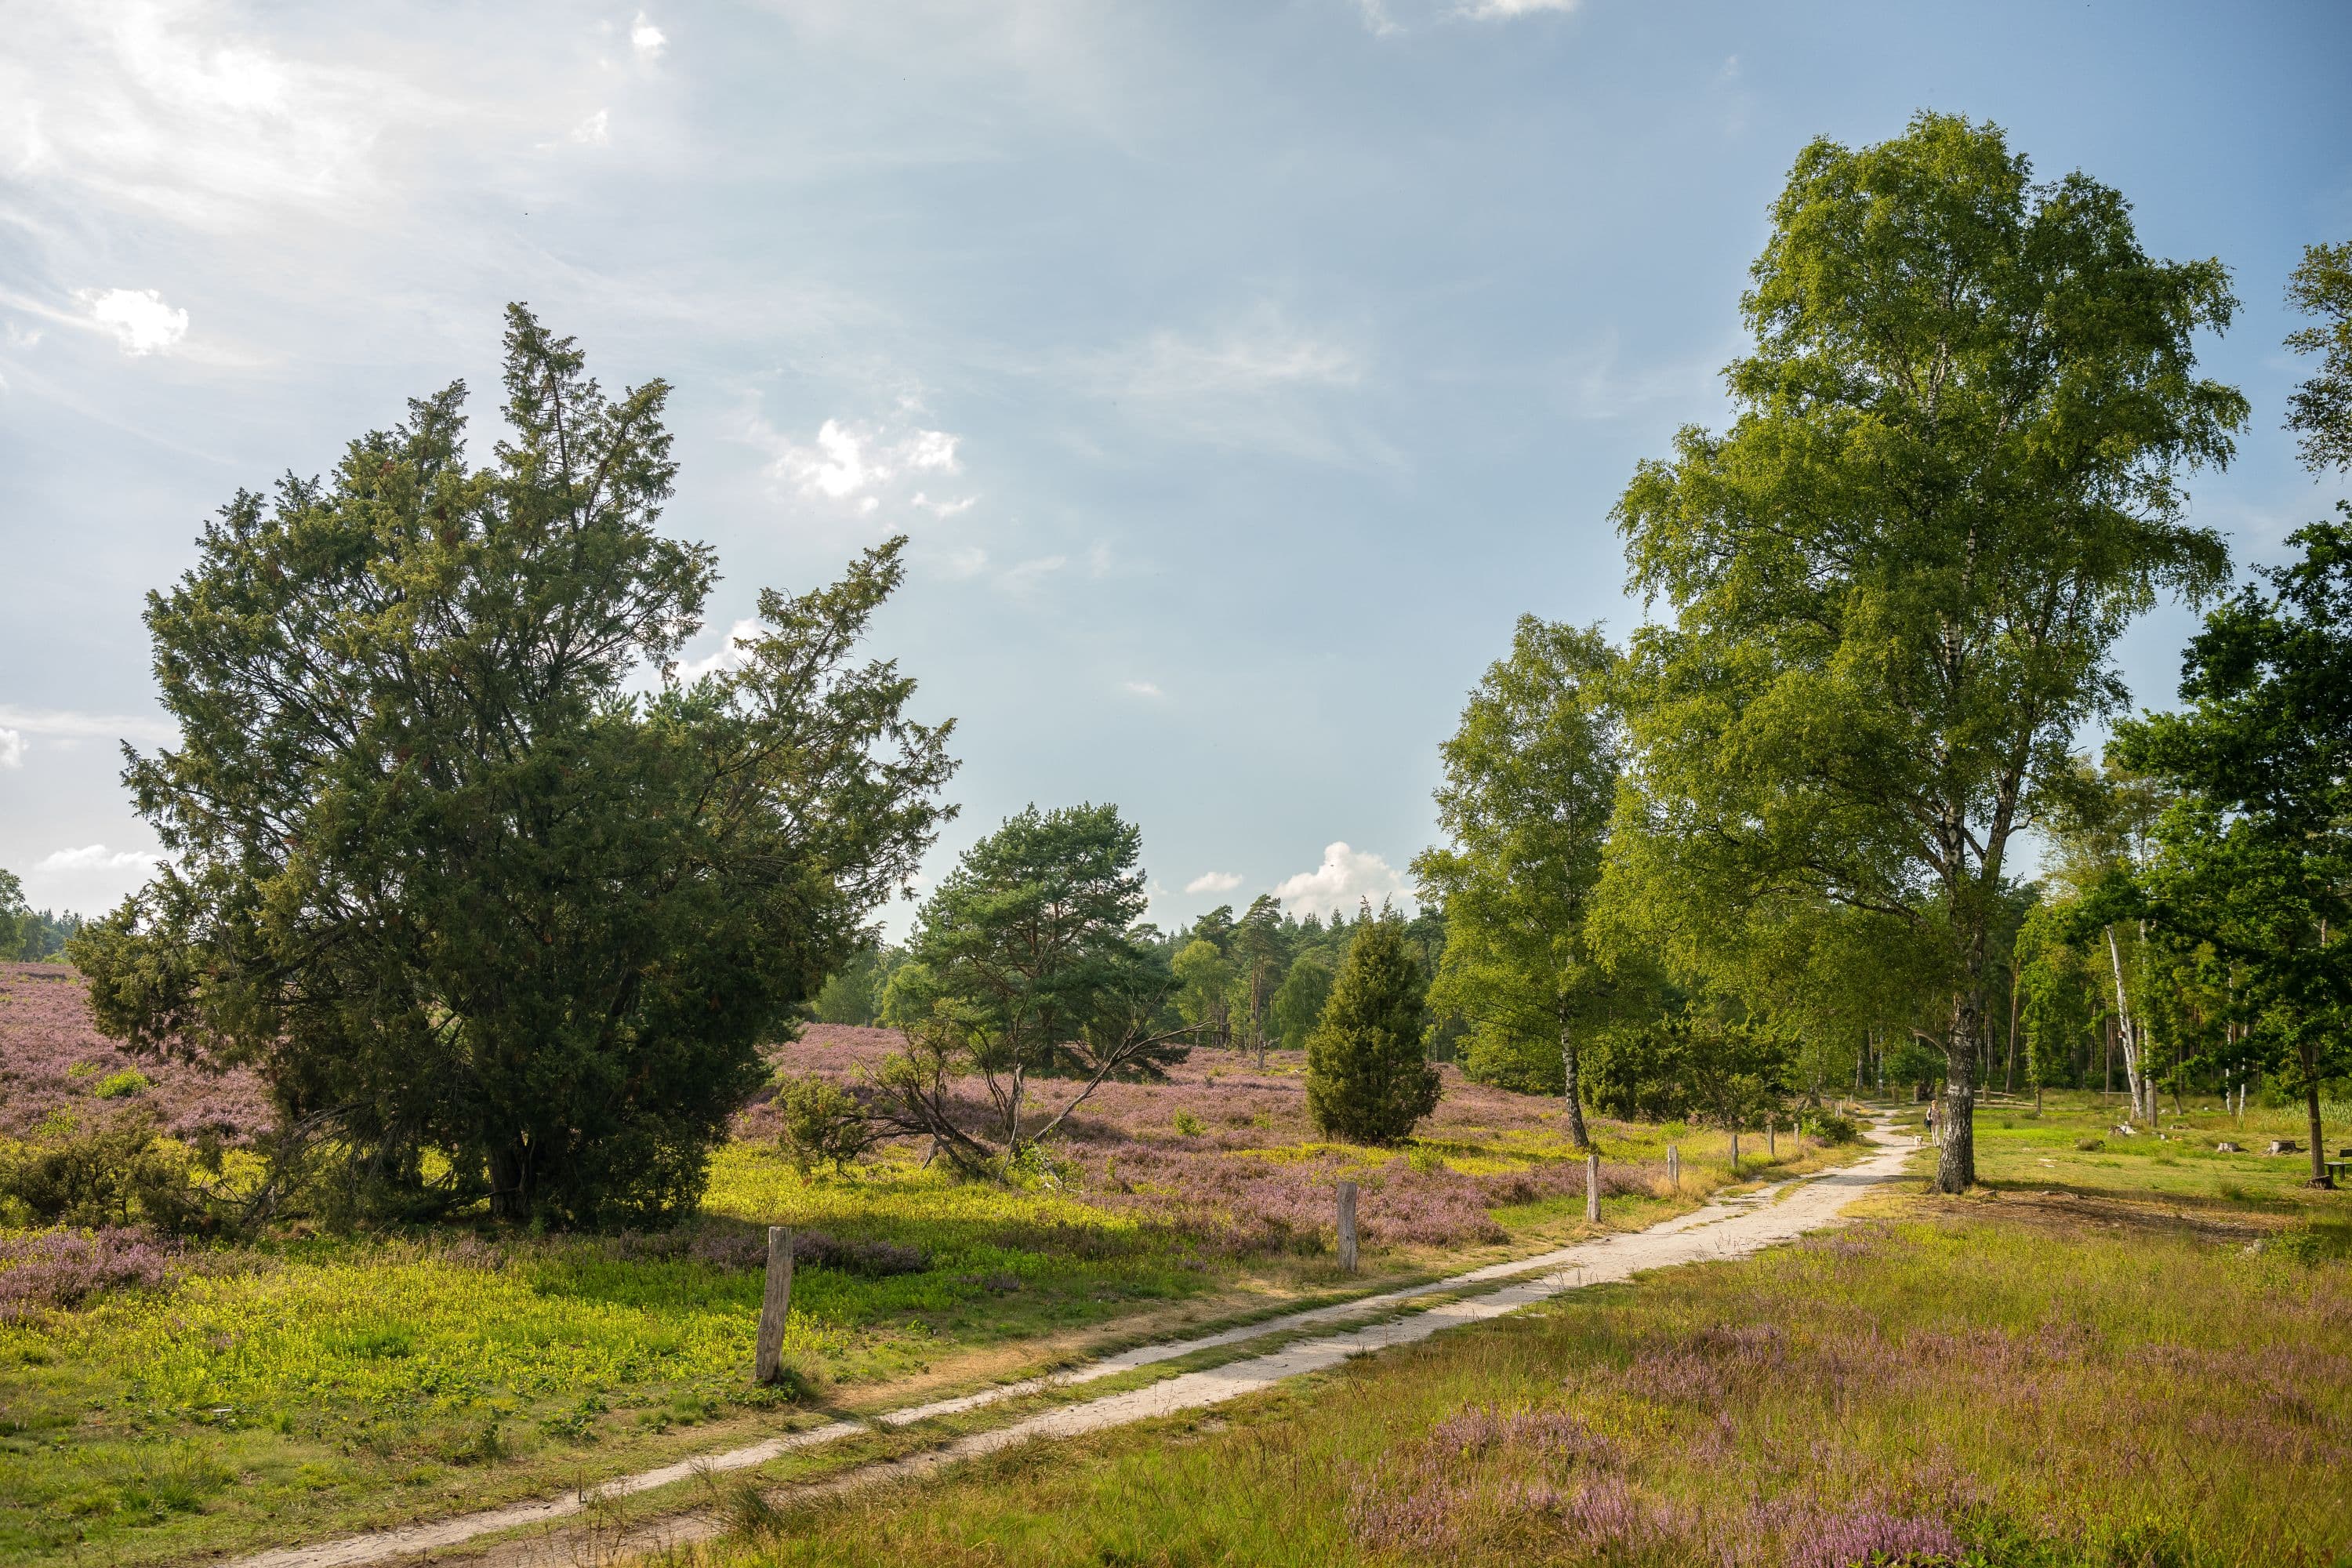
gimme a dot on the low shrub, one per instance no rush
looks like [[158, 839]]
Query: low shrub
[[1827, 1126], [2090, 1145], [65, 1269], [1189, 1125], [123, 1085], [118, 1173], [2318, 1242], [822, 1123]]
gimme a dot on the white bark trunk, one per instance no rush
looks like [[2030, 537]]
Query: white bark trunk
[[2124, 1030]]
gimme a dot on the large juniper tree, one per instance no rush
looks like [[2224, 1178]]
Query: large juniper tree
[[1368, 1080], [441, 872], [1953, 478]]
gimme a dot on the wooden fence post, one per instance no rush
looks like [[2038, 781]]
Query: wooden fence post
[[1673, 1164], [1735, 1153], [768, 1359], [1348, 1226], [1593, 1185], [1771, 1137]]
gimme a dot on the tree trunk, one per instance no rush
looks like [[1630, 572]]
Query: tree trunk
[[2008, 1075], [511, 1197], [1955, 1164], [2319, 1177], [2129, 1036], [1569, 1081]]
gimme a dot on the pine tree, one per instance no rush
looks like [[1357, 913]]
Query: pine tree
[[1367, 1079]]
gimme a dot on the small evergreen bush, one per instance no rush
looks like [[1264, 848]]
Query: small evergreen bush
[[1368, 1080]]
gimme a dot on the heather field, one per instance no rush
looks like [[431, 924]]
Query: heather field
[[160, 1398], [2112, 1356]]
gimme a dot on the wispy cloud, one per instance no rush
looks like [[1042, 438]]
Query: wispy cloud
[[1214, 882], [1259, 382], [1492, 10], [64, 725], [1024, 577], [12, 748], [1141, 688]]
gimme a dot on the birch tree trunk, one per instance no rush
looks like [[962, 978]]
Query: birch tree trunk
[[1569, 1077], [1956, 1159], [2124, 1030]]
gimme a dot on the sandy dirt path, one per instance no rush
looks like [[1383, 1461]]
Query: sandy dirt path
[[1729, 1227]]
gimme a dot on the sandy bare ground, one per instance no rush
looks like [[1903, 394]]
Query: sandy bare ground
[[1729, 1227]]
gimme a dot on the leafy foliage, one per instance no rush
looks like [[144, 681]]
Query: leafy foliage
[[2255, 859], [1028, 962], [1367, 1079], [118, 1172], [1685, 1065], [1954, 477], [1530, 782], [823, 1122], [439, 874]]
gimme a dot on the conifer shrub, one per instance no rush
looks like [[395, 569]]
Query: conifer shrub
[[1368, 1080]]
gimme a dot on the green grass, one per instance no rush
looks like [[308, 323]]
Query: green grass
[[2136, 1369], [307, 1385]]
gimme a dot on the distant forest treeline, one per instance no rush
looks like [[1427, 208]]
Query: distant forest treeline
[[28, 935]]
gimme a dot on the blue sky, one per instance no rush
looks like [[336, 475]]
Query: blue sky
[[1239, 372]]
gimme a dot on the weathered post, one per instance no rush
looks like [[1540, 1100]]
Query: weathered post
[[768, 1358], [1593, 1185], [1673, 1164], [1771, 1137], [1348, 1226], [1735, 1153]]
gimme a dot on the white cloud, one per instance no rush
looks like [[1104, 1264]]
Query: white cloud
[[942, 508], [729, 654], [1214, 882], [966, 562], [852, 461], [1345, 877], [139, 319], [58, 724], [12, 749], [930, 449], [1487, 9], [596, 131], [646, 39], [98, 858], [836, 466], [1142, 688]]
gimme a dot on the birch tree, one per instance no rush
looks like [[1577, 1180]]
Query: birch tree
[[1531, 781], [1893, 586]]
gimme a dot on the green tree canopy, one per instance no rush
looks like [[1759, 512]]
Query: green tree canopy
[[1530, 782], [1299, 1000], [1367, 1079], [1895, 581], [2255, 858], [1029, 962], [439, 873]]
